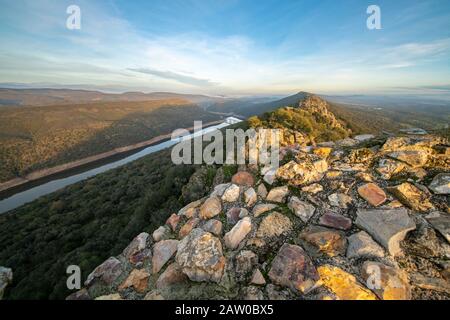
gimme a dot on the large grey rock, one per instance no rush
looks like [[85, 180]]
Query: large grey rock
[[6, 277], [441, 222], [200, 256], [361, 245], [441, 184], [301, 209], [388, 227]]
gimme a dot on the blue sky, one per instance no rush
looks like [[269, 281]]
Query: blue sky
[[228, 47]]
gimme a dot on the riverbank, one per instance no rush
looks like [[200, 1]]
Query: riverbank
[[17, 183]]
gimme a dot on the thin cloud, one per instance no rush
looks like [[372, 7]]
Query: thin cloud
[[176, 76]]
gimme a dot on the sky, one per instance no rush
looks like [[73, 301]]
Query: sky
[[228, 47]]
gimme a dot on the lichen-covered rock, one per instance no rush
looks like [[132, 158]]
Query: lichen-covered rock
[[340, 200], [191, 210], [411, 196], [411, 157], [210, 208], [301, 209], [231, 193], [324, 241], [306, 169], [292, 268], [387, 168], [313, 188], [213, 226], [245, 262], [274, 225], [343, 284], [200, 256], [387, 226], [441, 184], [173, 221], [388, 283]]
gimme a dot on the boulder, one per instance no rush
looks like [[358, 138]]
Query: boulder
[[343, 284], [322, 240], [372, 193], [160, 233], [138, 279], [413, 158], [171, 276], [231, 194], [250, 197], [387, 226], [173, 221], [211, 208], [301, 209], [191, 210], [261, 208], [340, 200], [292, 268], [361, 245], [313, 188], [335, 220], [135, 250], [258, 278], [441, 222], [234, 237], [162, 252], [274, 225], [245, 262], [233, 215], [387, 168], [262, 191], [308, 169], [6, 277], [188, 227], [200, 256], [243, 178], [278, 194], [108, 272], [388, 283], [441, 184], [411, 196], [213, 226]]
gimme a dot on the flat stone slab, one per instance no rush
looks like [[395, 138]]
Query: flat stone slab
[[441, 184], [411, 196], [361, 245], [372, 193], [335, 220], [387, 226], [301, 209], [441, 222], [324, 241]]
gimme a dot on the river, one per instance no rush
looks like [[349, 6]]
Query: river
[[28, 195]]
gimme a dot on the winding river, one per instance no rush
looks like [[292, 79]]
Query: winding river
[[22, 197]]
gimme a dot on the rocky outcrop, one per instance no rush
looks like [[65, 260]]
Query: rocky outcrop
[[363, 218], [6, 277]]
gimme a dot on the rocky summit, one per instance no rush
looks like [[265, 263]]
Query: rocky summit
[[363, 218]]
